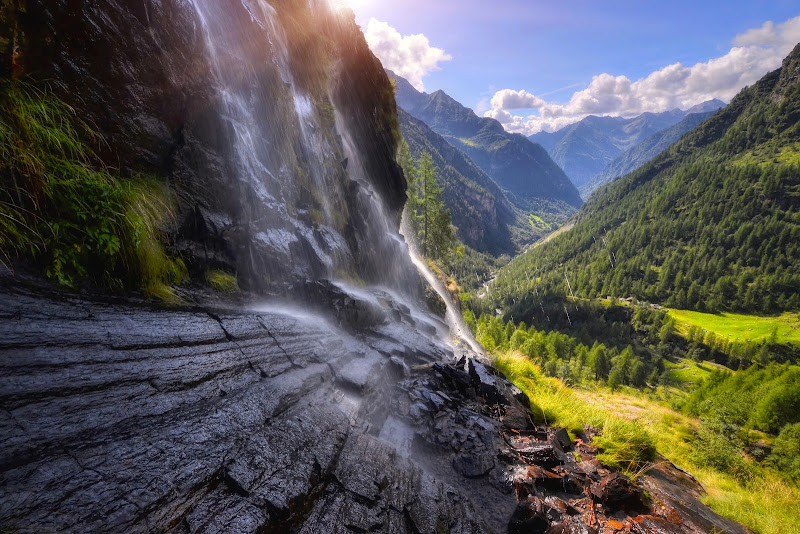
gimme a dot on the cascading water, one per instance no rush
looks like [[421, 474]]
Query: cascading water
[[458, 327], [297, 174]]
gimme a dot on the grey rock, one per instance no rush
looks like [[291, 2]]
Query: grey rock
[[113, 421], [487, 384], [473, 466]]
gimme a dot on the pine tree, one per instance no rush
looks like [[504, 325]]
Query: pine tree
[[414, 201], [602, 365], [615, 380], [429, 217], [430, 198]]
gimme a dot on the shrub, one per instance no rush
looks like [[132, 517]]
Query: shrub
[[785, 455], [62, 209], [615, 380], [780, 405], [716, 444], [624, 445]]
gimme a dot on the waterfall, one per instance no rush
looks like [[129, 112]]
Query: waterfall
[[459, 330], [300, 189]]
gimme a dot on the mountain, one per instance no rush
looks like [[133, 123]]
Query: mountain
[[635, 157], [712, 223], [585, 148], [486, 219], [522, 168]]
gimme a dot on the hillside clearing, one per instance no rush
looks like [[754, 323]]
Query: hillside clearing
[[738, 327]]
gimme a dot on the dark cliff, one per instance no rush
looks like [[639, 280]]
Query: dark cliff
[[143, 75]]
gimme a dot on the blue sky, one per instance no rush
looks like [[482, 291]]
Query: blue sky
[[552, 50]]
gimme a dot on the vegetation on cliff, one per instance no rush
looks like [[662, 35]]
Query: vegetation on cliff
[[61, 209], [428, 217]]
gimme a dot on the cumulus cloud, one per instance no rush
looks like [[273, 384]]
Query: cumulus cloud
[[755, 52], [770, 35], [410, 56], [510, 99]]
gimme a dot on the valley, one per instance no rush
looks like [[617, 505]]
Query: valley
[[271, 266], [669, 299]]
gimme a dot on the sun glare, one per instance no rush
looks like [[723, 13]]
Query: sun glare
[[355, 5]]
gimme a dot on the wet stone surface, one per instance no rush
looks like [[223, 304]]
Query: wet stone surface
[[123, 417]]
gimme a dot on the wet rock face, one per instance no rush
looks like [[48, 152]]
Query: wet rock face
[[615, 492], [125, 418], [143, 74], [121, 417]]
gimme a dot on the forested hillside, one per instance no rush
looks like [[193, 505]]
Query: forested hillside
[[711, 224], [486, 219]]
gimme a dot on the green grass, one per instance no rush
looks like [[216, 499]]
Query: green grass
[[633, 422], [467, 141], [691, 372], [624, 445], [738, 327], [538, 223], [222, 281], [764, 502]]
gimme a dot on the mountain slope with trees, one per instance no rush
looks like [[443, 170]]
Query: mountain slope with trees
[[486, 219], [519, 166], [711, 224], [635, 157]]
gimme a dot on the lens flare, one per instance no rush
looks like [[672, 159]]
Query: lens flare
[[354, 5]]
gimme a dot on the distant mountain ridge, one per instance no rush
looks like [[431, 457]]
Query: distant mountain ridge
[[486, 218], [586, 148], [479, 208], [635, 157], [519, 166]]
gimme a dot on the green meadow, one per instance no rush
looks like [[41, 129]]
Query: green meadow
[[738, 327]]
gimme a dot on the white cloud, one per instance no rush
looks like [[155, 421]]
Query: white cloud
[[510, 99], [755, 52], [411, 57], [769, 35]]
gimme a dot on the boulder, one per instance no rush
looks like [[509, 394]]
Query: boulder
[[616, 492]]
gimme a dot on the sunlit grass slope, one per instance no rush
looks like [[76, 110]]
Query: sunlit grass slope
[[687, 371], [737, 327], [634, 424]]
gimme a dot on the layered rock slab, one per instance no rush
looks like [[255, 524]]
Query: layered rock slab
[[124, 417], [128, 418]]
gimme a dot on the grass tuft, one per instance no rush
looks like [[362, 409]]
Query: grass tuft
[[61, 209], [624, 444], [222, 281]]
